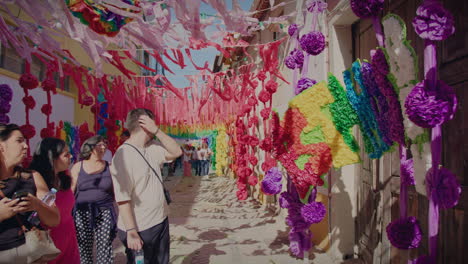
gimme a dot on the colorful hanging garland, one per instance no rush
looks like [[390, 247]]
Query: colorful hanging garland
[[28, 82], [434, 23], [102, 18]]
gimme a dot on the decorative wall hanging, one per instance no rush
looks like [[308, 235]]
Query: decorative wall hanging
[[6, 95], [434, 23]]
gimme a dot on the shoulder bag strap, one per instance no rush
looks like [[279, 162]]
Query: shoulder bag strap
[[2, 195], [139, 152]]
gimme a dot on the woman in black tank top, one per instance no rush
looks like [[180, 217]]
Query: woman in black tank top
[[14, 179]]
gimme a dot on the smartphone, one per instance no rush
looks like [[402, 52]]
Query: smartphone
[[20, 195]]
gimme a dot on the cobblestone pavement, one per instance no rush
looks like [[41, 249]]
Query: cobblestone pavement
[[209, 225]]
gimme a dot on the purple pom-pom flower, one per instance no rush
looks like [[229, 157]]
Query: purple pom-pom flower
[[293, 29], [270, 187], [367, 8], [274, 174], [4, 106], [303, 84], [290, 62], [430, 108], [295, 59], [285, 200], [405, 233], [446, 191], [313, 42], [6, 93], [313, 212], [433, 21]]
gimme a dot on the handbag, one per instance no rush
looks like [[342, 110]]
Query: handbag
[[40, 247], [167, 195]]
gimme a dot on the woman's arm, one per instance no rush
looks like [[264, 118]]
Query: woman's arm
[[75, 170], [49, 215]]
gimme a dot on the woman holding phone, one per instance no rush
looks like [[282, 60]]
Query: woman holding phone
[[30, 185]]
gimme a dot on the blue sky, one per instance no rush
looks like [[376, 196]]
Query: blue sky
[[199, 56]]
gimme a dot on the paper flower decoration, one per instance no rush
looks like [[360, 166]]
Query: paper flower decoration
[[405, 233], [303, 84], [99, 18], [445, 191], [28, 81], [313, 212], [49, 85], [6, 93], [433, 21], [313, 43], [29, 102], [293, 29], [429, 108], [295, 59], [28, 131], [367, 8]]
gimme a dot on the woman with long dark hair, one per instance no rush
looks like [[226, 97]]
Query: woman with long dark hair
[[29, 185], [95, 217], [52, 159]]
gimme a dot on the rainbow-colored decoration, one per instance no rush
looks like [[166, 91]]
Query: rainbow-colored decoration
[[372, 136], [315, 104], [98, 17], [221, 151]]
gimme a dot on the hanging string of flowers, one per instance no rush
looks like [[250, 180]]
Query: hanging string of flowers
[[430, 104], [28, 82]]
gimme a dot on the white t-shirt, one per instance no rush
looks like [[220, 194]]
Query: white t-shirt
[[202, 154], [134, 181], [187, 155]]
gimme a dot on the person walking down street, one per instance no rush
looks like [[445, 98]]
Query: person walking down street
[[136, 172], [187, 156], [52, 160], [205, 155], [196, 161], [31, 186], [94, 212]]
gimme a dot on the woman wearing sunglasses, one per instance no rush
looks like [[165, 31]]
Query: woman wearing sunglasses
[[94, 212]]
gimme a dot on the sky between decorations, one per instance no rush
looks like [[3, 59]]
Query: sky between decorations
[[203, 55]]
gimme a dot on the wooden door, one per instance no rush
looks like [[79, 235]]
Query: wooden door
[[379, 180]]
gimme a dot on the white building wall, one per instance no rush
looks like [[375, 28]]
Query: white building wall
[[62, 108]]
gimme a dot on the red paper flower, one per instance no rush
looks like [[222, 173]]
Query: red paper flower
[[47, 132], [28, 131], [28, 81], [264, 96], [265, 113], [271, 86], [49, 85], [261, 76], [46, 109], [29, 102]]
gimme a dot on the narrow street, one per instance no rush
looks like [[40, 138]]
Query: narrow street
[[209, 225]]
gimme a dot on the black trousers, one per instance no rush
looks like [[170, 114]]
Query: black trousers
[[156, 243]]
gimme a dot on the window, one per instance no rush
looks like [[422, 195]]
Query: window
[[11, 61], [63, 84]]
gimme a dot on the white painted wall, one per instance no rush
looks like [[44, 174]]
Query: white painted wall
[[62, 108]]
